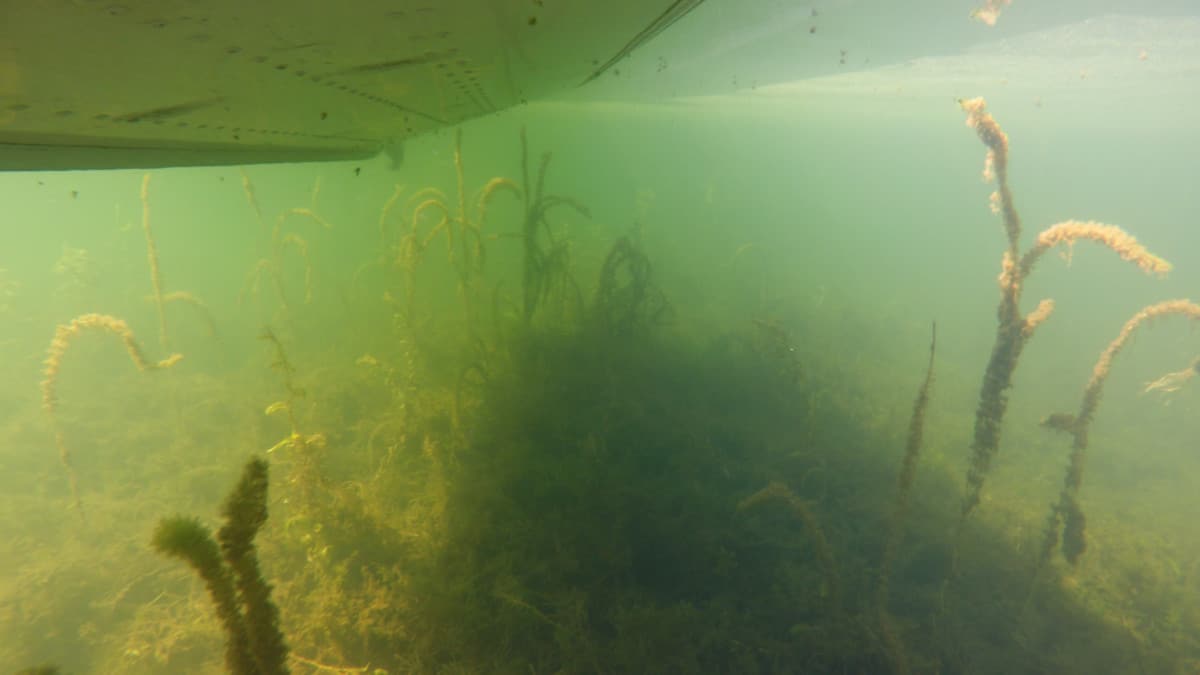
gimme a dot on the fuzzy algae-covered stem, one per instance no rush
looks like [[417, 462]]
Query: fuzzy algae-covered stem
[[1066, 516], [539, 264], [245, 512], [155, 271], [1013, 330], [64, 336], [255, 645], [908, 473], [904, 482], [1111, 236], [191, 542], [989, 11], [1009, 340], [800, 508], [1174, 381], [462, 227]]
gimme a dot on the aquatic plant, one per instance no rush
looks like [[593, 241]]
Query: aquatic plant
[[1013, 329], [254, 644], [461, 226], [989, 11], [201, 308], [155, 271], [162, 298], [295, 440], [1174, 380], [545, 258], [589, 520], [1066, 520], [279, 241], [812, 525], [899, 512], [64, 335], [389, 246], [626, 302]]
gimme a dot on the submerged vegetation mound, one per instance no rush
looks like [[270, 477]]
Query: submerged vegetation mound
[[591, 517]]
